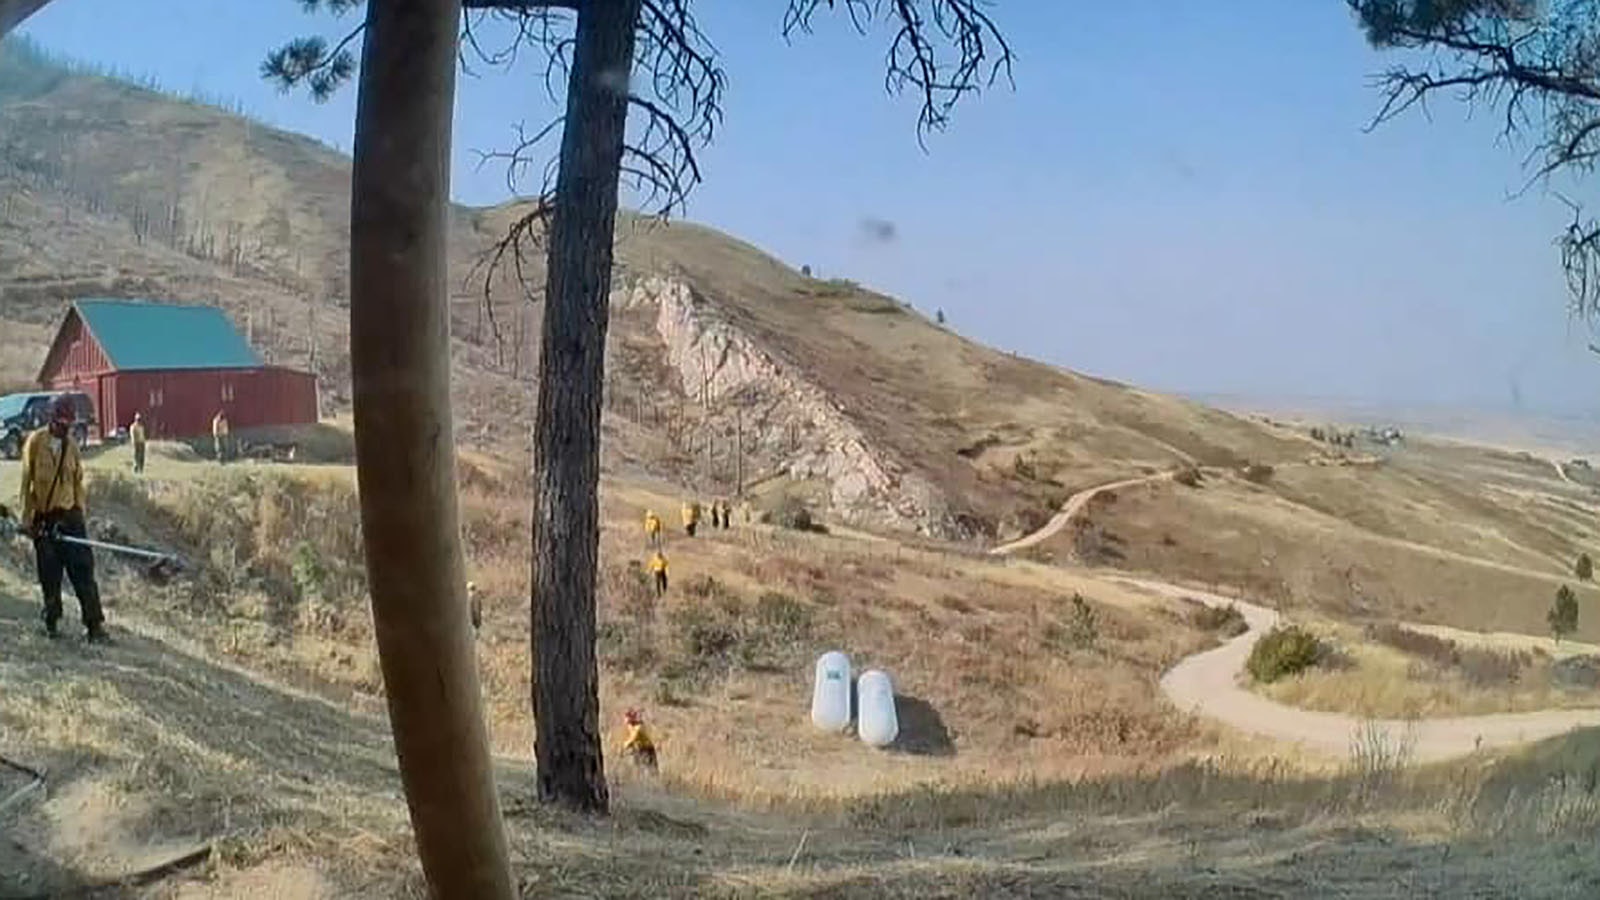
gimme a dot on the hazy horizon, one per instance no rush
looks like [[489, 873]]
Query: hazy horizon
[[1183, 199]]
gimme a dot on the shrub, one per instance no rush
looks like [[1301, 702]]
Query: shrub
[[1439, 651], [1084, 625], [1189, 476], [1283, 651], [1584, 568], [1226, 620], [1493, 668], [1480, 667], [791, 512], [1563, 615]]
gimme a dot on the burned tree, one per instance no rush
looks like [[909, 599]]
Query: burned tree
[[1535, 64], [648, 64]]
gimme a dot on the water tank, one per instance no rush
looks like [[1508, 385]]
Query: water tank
[[830, 695], [878, 724]]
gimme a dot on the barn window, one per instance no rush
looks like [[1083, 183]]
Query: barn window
[[227, 392], [156, 396]]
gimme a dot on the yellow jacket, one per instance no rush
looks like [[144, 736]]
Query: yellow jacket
[[136, 433], [39, 462], [691, 513], [652, 524], [638, 739], [658, 563]]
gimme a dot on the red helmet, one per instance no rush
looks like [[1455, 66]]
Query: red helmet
[[632, 717]]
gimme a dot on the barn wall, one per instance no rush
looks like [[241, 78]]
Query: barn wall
[[181, 404], [75, 358]]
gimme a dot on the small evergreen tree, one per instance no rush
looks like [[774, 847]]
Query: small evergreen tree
[[1563, 615], [938, 316], [1585, 568]]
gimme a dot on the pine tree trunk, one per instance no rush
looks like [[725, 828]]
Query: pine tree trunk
[[400, 367], [13, 12], [566, 529]]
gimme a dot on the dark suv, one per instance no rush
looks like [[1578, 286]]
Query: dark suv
[[22, 413]]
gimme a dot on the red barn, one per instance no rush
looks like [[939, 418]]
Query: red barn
[[176, 364]]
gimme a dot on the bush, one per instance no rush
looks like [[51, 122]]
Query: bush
[[1439, 651], [1084, 626], [1563, 615], [1188, 476], [1477, 666], [791, 512], [1584, 568], [1226, 620], [1283, 651]]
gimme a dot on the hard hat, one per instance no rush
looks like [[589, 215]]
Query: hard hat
[[632, 717]]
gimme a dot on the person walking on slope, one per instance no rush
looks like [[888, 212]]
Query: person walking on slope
[[727, 514], [716, 516], [219, 435], [638, 744], [658, 570], [652, 528], [691, 517], [137, 437], [53, 504]]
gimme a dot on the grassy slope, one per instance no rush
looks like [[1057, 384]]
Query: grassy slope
[[284, 200], [156, 743]]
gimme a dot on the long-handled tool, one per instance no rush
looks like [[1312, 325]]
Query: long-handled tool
[[161, 566]]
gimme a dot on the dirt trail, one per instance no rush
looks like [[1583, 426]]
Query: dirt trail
[[1071, 508], [1207, 684]]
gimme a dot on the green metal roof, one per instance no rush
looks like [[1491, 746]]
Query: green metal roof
[[139, 334]]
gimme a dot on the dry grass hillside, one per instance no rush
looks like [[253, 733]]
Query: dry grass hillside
[[1037, 757], [112, 188]]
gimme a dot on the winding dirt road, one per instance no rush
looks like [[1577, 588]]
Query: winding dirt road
[[1207, 683], [1071, 508]]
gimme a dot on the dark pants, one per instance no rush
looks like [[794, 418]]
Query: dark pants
[[55, 558], [138, 457], [221, 442], [661, 583], [690, 527], [645, 758]]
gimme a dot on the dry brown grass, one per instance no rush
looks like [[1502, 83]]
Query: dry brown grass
[[1391, 672], [999, 680], [1103, 790], [1279, 552]]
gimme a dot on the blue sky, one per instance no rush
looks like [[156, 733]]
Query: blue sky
[[1177, 194]]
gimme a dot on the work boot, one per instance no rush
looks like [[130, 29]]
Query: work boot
[[97, 635]]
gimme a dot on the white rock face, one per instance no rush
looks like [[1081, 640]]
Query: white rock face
[[714, 358]]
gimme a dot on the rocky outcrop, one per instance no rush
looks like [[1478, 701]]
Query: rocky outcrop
[[799, 422]]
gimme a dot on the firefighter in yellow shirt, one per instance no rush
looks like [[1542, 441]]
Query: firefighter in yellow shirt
[[658, 568], [652, 528], [691, 517], [53, 504], [138, 437], [219, 435], [638, 744]]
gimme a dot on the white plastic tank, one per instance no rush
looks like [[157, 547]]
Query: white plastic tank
[[830, 695], [877, 722]]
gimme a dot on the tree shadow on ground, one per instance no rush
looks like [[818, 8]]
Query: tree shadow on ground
[[922, 730]]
